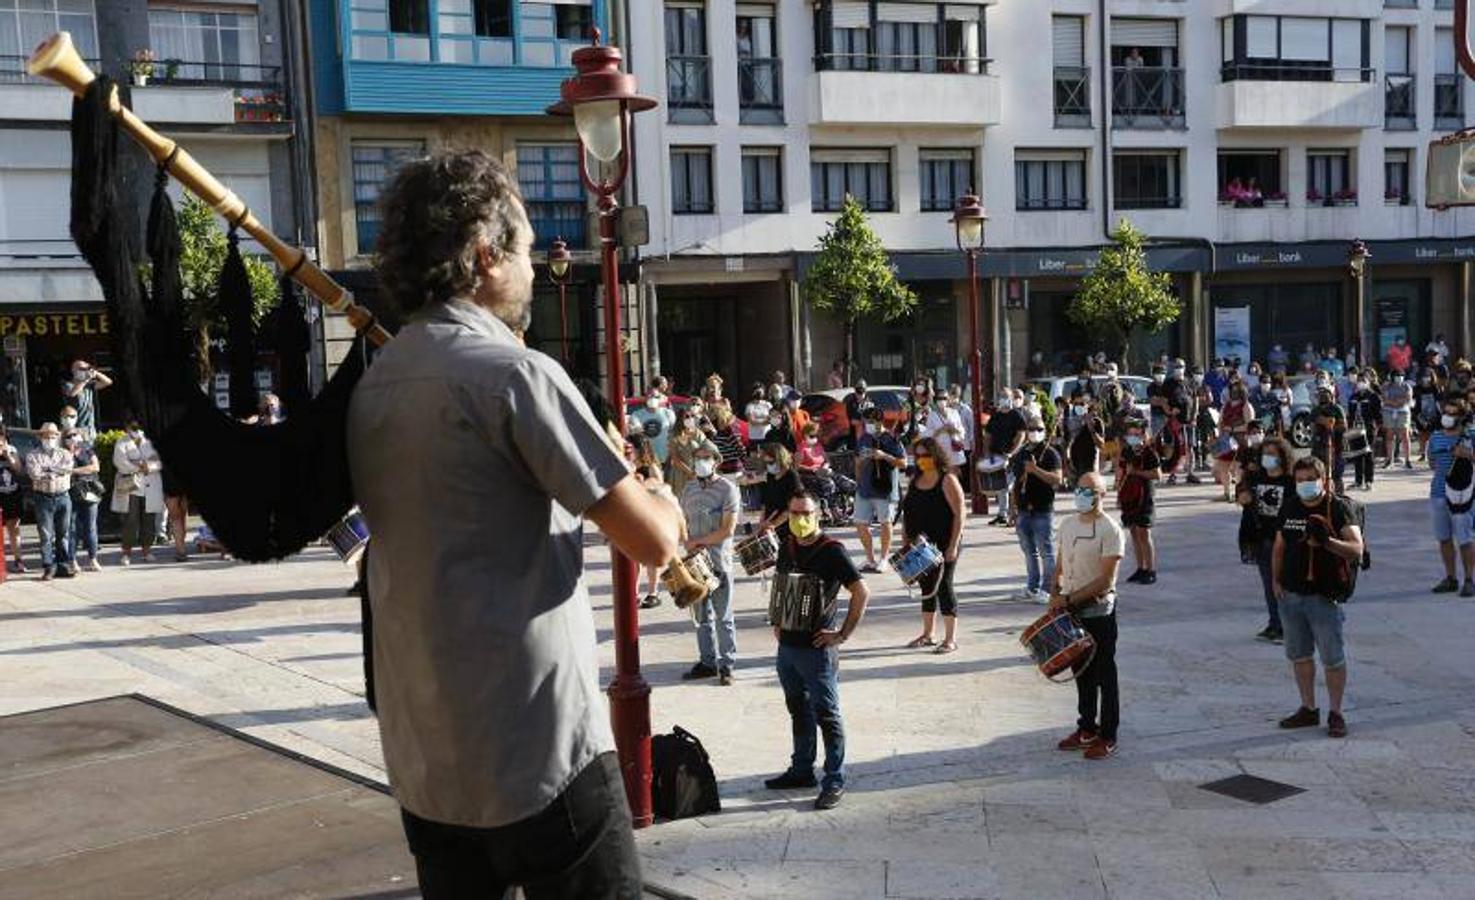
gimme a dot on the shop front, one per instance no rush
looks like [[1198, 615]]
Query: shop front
[[39, 345]]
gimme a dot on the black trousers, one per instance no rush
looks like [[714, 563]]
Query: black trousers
[[1362, 468], [944, 599], [580, 846], [1097, 685]]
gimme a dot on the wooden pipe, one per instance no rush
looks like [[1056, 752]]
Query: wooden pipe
[[57, 59]]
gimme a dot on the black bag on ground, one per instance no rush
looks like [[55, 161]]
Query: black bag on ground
[[682, 781]]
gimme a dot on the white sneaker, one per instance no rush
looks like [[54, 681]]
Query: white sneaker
[[1042, 597], [1023, 595]]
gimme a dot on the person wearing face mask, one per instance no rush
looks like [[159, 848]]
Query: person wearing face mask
[[1089, 554], [138, 491], [1365, 410], [917, 407], [687, 437], [814, 470], [879, 457], [1036, 368], [87, 493], [780, 482], [1426, 410], [1216, 380], [944, 425], [1400, 356], [1451, 529], [855, 409], [1157, 398], [756, 414], [1036, 474], [1329, 423], [68, 419], [655, 419], [12, 498], [1084, 446], [1139, 471], [1263, 398], [933, 508], [789, 427], [1002, 437], [812, 564], [1278, 359], [1317, 552], [1264, 485], [80, 393], [710, 506], [50, 469]]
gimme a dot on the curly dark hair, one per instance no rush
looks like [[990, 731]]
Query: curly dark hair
[[435, 211]]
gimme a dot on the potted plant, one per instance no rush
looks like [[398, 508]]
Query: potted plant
[[171, 69], [1314, 198], [1276, 198], [1393, 197], [1345, 197], [141, 66]]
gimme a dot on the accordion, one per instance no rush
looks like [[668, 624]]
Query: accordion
[[798, 602]]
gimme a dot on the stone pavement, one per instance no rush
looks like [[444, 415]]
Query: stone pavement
[[955, 788]]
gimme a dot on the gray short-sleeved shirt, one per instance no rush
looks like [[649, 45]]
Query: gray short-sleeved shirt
[[704, 503], [473, 459]]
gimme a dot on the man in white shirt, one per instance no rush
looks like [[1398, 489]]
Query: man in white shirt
[[945, 426]]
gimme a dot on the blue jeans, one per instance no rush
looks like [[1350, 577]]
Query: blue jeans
[[716, 629], [811, 681], [1264, 549], [84, 529], [1036, 539], [54, 527]]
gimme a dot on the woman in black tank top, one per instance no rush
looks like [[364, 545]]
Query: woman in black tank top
[[933, 508]]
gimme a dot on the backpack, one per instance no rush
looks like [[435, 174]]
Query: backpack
[[1344, 572], [682, 782], [1459, 485]]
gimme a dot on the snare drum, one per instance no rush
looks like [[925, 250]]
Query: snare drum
[[689, 580], [1355, 443], [758, 553], [349, 537], [916, 561], [1058, 645], [992, 473]]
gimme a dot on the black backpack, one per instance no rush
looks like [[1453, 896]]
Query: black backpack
[[1459, 485], [682, 782], [1344, 573]]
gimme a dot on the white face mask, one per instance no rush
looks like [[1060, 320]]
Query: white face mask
[[1036, 436], [1005, 403], [872, 429], [1085, 501], [1255, 440], [50, 443], [705, 468], [68, 421], [1158, 377], [1078, 410], [1448, 421]]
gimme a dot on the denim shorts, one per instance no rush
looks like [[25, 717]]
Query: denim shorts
[[872, 509], [1310, 624], [1450, 525], [1396, 418]]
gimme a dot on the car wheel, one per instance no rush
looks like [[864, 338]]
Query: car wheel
[[1301, 431]]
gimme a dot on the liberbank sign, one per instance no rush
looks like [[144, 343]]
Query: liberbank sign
[[1327, 255]]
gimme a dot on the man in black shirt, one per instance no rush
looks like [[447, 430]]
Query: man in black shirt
[[812, 568], [855, 409], [1036, 470], [1317, 552], [1003, 436]]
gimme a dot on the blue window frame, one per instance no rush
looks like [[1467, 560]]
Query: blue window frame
[[374, 163], [470, 32], [548, 176]]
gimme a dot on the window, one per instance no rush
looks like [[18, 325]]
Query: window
[[1396, 165], [374, 164], [1146, 180], [1050, 179], [409, 16], [946, 176], [397, 29], [962, 39], [906, 37], [493, 18], [862, 174], [1250, 177], [1449, 101], [205, 45], [688, 69], [1295, 48], [691, 180], [763, 183], [24, 25], [1072, 78], [548, 178], [760, 87], [1329, 178], [573, 22], [901, 36], [1399, 108]]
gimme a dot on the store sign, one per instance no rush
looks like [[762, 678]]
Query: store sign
[[54, 325]]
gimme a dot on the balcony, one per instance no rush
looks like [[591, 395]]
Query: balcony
[[1344, 9], [1449, 101], [689, 89], [895, 89], [1147, 97], [1072, 97], [1400, 111], [256, 92], [760, 91], [1277, 96]]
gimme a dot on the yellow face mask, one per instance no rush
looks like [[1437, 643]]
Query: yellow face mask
[[926, 463], [803, 525]]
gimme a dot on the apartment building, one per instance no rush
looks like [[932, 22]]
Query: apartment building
[[221, 84], [1252, 139]]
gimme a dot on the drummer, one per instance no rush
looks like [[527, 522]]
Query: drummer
[[878, 459], [776, 485], [933, 508], [710, 506], [1089, 553]]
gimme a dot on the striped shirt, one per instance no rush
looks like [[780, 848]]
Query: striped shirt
[[1441, 457]]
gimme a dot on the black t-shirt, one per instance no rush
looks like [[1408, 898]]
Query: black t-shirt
[[778, 491], [1034, 494], [1135, 495], [1328, 412], [1082, 451], [1002, 429], [1305, 569], [1178, 397], [826, 559], [1269, 493]]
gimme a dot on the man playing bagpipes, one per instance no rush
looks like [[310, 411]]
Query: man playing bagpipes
[[1314, 571]]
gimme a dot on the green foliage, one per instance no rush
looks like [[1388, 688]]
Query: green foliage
[[103, 445], [1120, 295], [202, 253], [852, 277], [1048, 412]]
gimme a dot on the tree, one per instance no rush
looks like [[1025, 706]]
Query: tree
[[1120, 295], [203, 249], [852, 277]]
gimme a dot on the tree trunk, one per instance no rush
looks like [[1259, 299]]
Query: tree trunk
[[849, 350]]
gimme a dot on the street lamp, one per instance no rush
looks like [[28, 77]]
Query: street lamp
[[968, 219], [559, 262], [601, 98], [1357, 257]]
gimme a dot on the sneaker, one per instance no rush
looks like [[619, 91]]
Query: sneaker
[[829, 798], [1172, 479], [1077, 740], [1267, 635], [1148, 577], [790, 780], [1023, 595], [1336, 726], [1447, 586], [94, 565], [698, 671], [1100, 748], [1408, 465], [998, 520], [1302, 718], [650, 601], [1041, 597], [1136, 577], [724, 676], [1388, 462], [126, 560], [1275, 636], [46, 575], [1194, 479], [19, 567], [871, 568]]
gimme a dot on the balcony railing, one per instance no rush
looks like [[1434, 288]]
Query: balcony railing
[[260, 95], [1288, 70], [1400, 111], [1123, 202], [567, 219], [760, 91], [1449, 101], [902, 62], [1147, 97], [1401, 4], [13, 71], [1072, 97], [689, 89]]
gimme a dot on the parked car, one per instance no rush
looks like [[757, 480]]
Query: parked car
[[1061, 385], [828, 409], [1302, 401]]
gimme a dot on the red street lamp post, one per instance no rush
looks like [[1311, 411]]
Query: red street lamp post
[[1357, 257], [968, 219], [559, 262], [601, 98]]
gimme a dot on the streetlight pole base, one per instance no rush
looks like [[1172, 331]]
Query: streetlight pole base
[[629, 710]]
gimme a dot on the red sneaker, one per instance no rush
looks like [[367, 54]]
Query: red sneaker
[[1077, 740], [1100, 749]]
